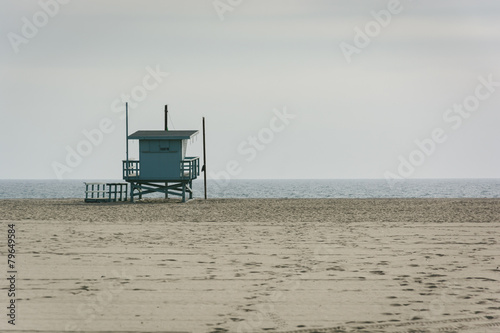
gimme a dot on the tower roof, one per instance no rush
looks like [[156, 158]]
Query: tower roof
[[163, 135]]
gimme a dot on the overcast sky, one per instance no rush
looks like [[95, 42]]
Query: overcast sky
[[289, 88]]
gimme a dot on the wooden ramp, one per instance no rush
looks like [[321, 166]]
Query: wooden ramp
[[106, 192]]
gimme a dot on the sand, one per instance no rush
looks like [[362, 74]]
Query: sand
[[301, 265]]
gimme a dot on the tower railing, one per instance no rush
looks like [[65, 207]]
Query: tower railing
[[132, 170], [190, 168]]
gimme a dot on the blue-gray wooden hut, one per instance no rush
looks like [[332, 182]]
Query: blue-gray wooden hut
[[163, 165]]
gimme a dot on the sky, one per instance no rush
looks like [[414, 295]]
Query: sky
[[290, 89]]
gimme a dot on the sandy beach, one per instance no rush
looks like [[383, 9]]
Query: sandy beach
[[251, 265]]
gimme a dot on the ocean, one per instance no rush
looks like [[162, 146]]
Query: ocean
[[317, 188]]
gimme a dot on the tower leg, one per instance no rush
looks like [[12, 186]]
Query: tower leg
[[132, 192], [183, 192], [166, 192], [191, 187]]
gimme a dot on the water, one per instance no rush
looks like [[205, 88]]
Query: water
[[421, 188]]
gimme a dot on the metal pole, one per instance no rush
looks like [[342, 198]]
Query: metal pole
[[166, 129], [204, 160], [127, 162]]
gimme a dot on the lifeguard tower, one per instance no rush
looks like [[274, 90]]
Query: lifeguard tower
[[162, 166]]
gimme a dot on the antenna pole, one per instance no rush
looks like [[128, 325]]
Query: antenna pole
[[166, 117], [126, 135], [204, 160]]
